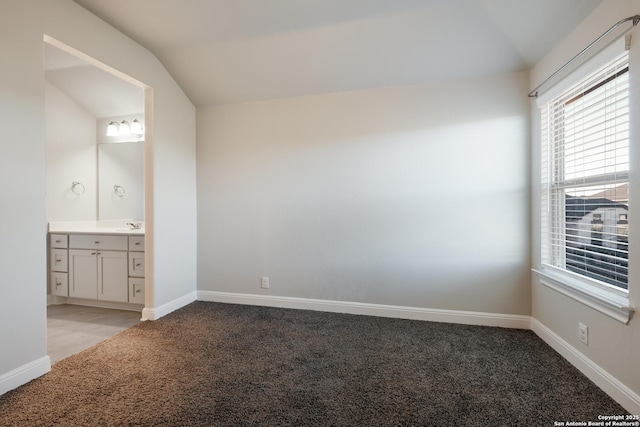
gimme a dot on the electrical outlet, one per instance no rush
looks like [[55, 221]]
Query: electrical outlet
[[264, 283], [583, 333]]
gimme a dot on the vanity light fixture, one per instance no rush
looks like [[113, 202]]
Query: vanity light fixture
[[113, 129], [125, 128], [136, 127]]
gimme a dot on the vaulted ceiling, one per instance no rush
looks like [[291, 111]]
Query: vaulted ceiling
[[228, 51]]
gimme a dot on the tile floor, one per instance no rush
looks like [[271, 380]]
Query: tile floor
[[73, 328]]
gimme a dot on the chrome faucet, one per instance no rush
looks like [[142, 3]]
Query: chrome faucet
[[134, 225]]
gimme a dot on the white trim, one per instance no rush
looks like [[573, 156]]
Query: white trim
[[381, 310], [25, 373], [609, 302], [619, 392], [164, 309]]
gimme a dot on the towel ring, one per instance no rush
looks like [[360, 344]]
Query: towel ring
[[118, 190], [77, 188]]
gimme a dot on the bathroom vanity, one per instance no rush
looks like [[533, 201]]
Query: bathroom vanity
[[96, 265]]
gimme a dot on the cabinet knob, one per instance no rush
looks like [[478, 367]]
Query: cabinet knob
[[137, 291], [57, 241], [138, 265], [93, 253], [137, 243], [97, 242]]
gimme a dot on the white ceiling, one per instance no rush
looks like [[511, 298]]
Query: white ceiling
[[227, 51]]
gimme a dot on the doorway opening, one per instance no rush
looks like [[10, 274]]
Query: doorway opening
[[98, 188]]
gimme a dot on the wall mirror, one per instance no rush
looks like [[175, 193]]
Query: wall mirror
[[121, 181]]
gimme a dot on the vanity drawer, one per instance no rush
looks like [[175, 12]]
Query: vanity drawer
[[136, 290], [136, 264], [98, 241], [136, 243], [58, 260], [59, 284], [59, 241]]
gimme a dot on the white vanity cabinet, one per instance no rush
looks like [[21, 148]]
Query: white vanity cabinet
[[96, 267]]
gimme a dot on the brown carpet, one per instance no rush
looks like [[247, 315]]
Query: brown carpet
[[212, 364]]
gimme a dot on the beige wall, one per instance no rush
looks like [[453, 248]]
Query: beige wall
[[613, 346], [170, 172], [70, 156], [412, 196], [22, 217]]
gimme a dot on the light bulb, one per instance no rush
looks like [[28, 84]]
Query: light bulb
[[124, 128], [136, 127], [112, 129]]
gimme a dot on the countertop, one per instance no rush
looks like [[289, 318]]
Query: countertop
[[96, 227]]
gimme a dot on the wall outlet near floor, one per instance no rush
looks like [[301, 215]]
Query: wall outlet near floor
[[583, 333], [264, 282]]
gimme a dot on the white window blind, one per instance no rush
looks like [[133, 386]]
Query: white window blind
[[585, 176]]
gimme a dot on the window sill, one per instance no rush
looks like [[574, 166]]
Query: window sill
[[609, 302]]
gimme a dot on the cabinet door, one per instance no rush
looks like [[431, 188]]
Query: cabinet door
[[83, 274], [112, 276]]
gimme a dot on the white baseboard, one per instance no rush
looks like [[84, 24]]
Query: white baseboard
[[164, 309], [400, 312], [619, 392], [24, 374]]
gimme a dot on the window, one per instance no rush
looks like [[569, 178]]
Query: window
[[585, 178]]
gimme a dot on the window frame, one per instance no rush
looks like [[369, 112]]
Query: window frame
[[605, 298]]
